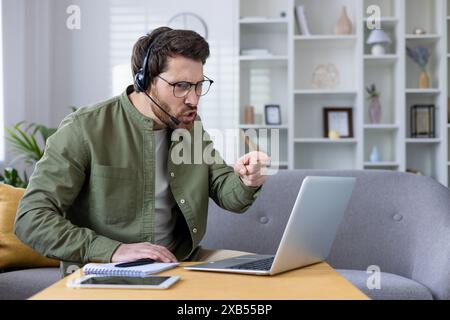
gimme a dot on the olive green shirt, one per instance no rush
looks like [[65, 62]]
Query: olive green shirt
[[94, 188]]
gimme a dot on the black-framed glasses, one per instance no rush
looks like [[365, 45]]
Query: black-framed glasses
[[182, 88]]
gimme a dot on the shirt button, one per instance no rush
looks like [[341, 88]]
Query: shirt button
[[182, 201], [172, 174], [194, 230]]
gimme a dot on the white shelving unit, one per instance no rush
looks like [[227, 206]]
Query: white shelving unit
[[263, 79], [284, 78]]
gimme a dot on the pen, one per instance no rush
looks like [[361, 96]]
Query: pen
[[248, 142], [252, 146], [139, 262]]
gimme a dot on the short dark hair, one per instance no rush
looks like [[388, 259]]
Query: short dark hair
[[169, 43]]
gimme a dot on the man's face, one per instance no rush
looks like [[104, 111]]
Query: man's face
[[184, 109]]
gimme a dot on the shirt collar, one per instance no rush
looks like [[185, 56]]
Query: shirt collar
[[142, 120]]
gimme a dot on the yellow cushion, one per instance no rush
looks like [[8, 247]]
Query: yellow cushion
[[13, 252]]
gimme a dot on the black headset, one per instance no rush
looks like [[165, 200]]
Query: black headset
[[142, 79]]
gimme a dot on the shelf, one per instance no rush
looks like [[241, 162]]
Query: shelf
[[263, 61], [262, 126], [262, 58], [385, 21], [431, 91], [381, 57], [325, 140], [381, 164], [390, 127], [422, 140], [422, 37], [325, 37], [262, 20], [387, 59], [325, 91]]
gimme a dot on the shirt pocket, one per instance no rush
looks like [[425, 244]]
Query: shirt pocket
[[113, 194]]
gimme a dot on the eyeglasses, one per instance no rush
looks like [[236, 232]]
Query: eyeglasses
[[182, 88]]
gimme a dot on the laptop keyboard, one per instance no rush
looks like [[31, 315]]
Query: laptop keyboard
[[263, 264]]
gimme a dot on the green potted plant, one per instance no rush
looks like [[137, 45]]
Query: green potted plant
[[28, 142], [11, 176], [29, 145]]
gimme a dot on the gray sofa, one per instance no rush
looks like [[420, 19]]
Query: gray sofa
[[396, 221]]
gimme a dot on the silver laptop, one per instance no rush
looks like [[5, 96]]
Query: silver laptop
[[309, 233]]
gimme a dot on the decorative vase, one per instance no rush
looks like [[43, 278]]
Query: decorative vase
[[325, 76], [424, 80], [375, 155], [378, 49], [375, 110], [343, 25], [249, 115]]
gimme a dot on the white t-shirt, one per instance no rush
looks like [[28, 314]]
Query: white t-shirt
[[164, 201]]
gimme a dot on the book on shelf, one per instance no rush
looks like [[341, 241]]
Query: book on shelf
[[301, 20]]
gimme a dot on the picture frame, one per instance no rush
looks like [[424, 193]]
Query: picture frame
[[338, 119], [272, 114], [423, 121]]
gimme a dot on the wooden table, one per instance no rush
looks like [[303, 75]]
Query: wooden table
[[319, 281]]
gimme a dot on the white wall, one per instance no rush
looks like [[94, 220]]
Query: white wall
[[13, 22], [48, 67]]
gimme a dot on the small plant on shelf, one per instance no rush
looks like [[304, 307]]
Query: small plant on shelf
[[372, 91], [421, 55], [374, 106]]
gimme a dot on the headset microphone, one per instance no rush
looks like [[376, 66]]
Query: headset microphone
[[172, 118], [142, 81]]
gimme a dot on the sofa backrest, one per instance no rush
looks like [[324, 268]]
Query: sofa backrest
[[397, 221]]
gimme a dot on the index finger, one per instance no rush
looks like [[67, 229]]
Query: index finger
[[255, 157]]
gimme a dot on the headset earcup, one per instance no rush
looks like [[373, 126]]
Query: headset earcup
[[142, 79], [138, 81]]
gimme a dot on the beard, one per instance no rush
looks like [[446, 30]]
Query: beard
[[164, 118]]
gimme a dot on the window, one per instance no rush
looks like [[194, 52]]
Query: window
[[130, 19]]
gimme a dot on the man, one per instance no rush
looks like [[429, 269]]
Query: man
[[107, 188]]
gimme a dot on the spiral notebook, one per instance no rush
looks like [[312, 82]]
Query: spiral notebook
[[110, 269]]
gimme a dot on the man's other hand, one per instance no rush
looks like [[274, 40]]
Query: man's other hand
[[135, 251], [252, 168]]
